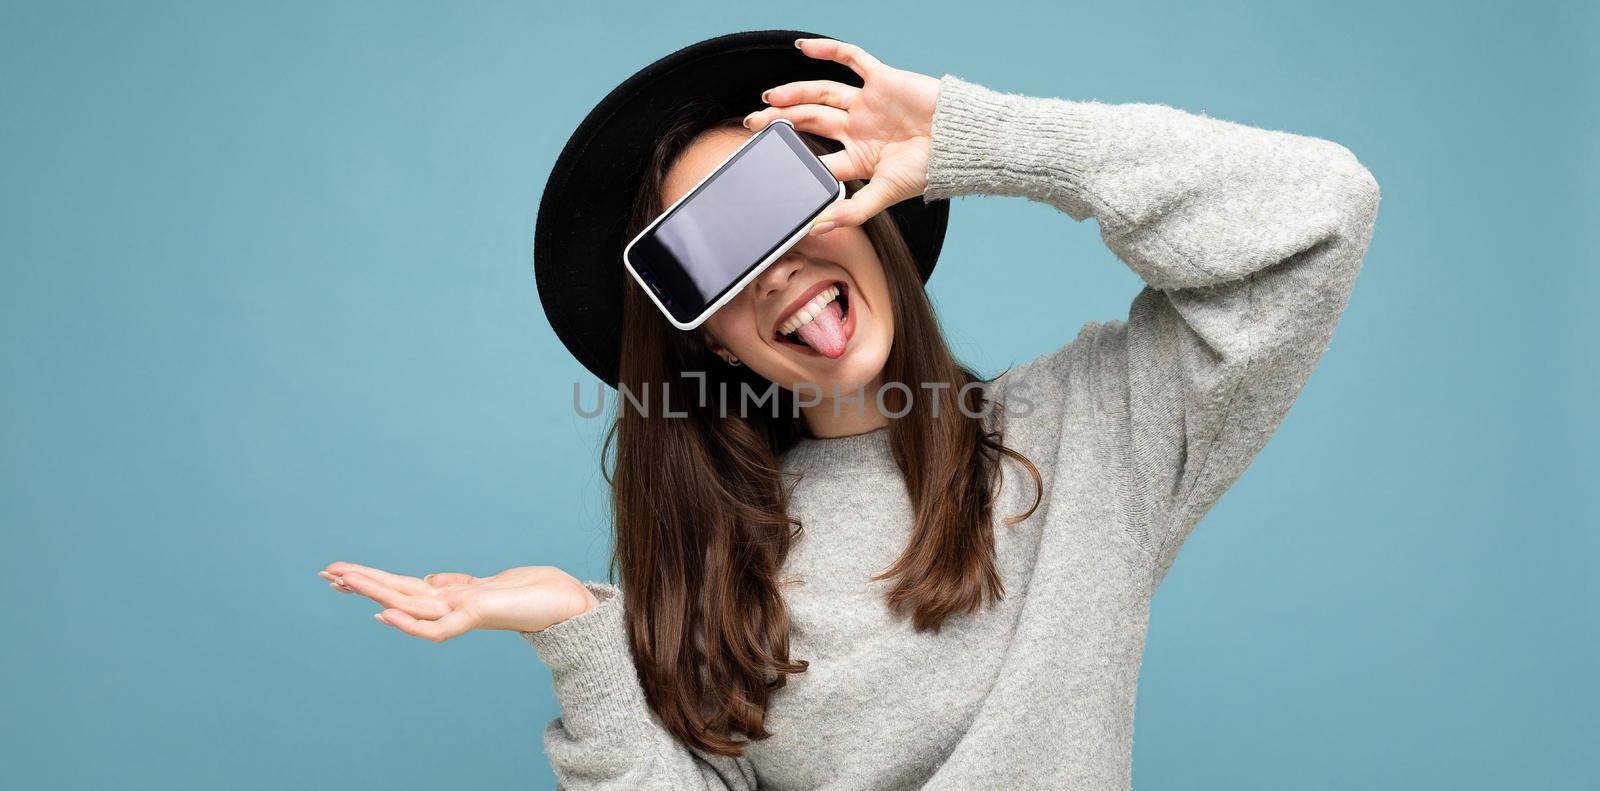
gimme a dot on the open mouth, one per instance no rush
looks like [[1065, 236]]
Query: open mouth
[[820, 324]]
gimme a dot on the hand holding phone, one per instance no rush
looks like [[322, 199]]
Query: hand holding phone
[[732, 225], [885, 125]]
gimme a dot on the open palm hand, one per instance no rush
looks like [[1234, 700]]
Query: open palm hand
[[441, 606]]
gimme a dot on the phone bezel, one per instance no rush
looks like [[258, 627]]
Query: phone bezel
[[732, 290]]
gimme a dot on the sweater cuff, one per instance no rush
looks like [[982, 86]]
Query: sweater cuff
[[592, 670], [587, 641], [984, 142]]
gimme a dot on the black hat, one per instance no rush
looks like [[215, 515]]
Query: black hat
[[582, 225]]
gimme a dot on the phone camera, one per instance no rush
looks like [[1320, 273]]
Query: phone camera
[[645, 273]]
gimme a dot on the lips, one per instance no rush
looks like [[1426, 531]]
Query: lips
[[800, 301], [805, 300]]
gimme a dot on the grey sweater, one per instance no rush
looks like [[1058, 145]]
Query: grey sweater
[[1248, 241]]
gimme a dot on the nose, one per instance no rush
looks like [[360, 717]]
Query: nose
[[777, 277]]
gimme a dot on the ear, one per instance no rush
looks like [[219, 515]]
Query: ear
[[718, 349]]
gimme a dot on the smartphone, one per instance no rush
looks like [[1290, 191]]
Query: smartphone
[[732, 225]]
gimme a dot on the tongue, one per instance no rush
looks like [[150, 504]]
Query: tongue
[[825, 333]]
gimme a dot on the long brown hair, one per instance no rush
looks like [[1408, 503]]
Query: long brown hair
[[701, 510]]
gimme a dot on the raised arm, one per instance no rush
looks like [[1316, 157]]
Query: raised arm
[[1248, 241], [607, 736]]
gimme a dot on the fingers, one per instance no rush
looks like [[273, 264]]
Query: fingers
[[815, 118], [843, 167], [399, 582], [418, 606], [395, 580], [335, 581], [410, 603], [449, 578], [455, 623], [856, 209], [825, 92], [849, 54]]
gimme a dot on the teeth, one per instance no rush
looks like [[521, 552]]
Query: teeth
[[809, 311]]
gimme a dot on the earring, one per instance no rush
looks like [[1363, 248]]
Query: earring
[[734, 361]]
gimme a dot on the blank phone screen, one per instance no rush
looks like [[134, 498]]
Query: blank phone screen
[[733, 221]]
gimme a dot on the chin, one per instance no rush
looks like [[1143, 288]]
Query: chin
[[857, 368]]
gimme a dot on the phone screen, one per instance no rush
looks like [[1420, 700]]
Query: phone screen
[[732, 222]]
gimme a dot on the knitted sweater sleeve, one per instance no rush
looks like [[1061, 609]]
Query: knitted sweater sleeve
[[1248, 241], [607, 736]]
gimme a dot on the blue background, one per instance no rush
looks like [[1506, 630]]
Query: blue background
[[267, 303]]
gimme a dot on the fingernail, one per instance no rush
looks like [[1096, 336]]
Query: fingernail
[[822, 228], [764, 95], [797, 43], [379, 616], [747, 120]]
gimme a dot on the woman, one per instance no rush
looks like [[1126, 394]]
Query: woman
[[944, 584]]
